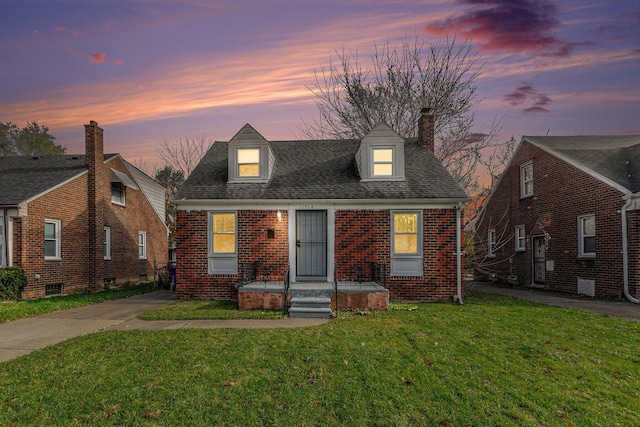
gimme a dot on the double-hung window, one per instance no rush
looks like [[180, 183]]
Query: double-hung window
[[382, 161], [51, 239], [117, 193], [526, 180], [587, 235], [520, 238], [223, 243], [142, 244], [248, 162], [406, 247], [491, 243]]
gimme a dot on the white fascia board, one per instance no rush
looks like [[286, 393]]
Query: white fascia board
[[212, 204], [23, 205]]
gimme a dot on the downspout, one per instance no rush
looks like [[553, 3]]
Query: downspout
[[458, 257], [5, 228], [625, 252]]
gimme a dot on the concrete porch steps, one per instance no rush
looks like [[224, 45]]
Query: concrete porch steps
[[310, 307]]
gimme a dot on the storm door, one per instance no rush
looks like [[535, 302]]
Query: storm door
[[311, 245], [539, 263]]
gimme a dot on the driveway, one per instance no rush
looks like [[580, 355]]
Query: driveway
[[620, 309], [20, 337]]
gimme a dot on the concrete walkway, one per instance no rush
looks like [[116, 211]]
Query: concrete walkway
[[20, 337], [621, 309]]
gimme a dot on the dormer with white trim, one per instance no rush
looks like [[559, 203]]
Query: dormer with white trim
[[250, 157], [380, 156]]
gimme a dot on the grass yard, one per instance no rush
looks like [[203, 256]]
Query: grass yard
[[494, 361], [13, 310], [199, 310]]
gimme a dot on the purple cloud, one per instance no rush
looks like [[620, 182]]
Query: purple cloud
[[526, 93], [507, 25]]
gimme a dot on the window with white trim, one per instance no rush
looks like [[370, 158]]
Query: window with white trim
[[587, 235], [51, 239], [117, 193], [142, 244], [107, 243], [382, 161], [520, 238], [406, 243], [223, 243], [491, 242], [526, 180], [248, 162]]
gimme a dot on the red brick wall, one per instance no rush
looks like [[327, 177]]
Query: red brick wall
[[561, 193], [254, 245], [360, 237], [68, 204], [364, 236]]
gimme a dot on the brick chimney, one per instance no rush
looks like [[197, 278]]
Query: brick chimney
[[96, 192], [426, 125]]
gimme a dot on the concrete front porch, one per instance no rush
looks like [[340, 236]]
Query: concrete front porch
[[350, 295]]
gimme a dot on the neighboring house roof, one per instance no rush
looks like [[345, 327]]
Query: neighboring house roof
[[614, 159], [321, 170], [24, 177]]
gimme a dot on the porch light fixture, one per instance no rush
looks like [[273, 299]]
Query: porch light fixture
[[279, 215]]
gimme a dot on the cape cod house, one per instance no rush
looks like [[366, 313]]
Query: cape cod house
[[367, 220], [80, 223], [565, 216]]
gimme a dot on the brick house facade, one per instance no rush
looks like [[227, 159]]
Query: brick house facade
[[323, 212], [61, 225], [557, 216]]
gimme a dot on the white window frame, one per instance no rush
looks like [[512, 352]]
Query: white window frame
[[407, 264], [121, 201], [520, 239], [238, 164], [222, 262], [582, 235], [57, 239], [491, 242], [142, 245], [107, 243], [524, 192], [374, 163]]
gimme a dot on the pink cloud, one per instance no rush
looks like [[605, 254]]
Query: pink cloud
[[97, 58], [118, 61], [507, 25], [60, 29]]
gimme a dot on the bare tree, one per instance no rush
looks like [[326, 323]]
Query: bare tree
[[184, 155], [394, 87]]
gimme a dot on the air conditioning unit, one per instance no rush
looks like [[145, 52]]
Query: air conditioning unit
[[587, 287]]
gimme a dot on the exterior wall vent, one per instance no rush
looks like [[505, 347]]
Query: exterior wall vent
[[53, 289], [587, 287]]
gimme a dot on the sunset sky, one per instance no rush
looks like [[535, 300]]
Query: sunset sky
[[155, 70]]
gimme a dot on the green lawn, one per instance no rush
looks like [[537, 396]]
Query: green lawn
[[13, 310], [494, 361]]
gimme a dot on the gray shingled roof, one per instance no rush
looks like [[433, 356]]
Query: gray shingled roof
[[320, 169], [22, 177], [615, 157]]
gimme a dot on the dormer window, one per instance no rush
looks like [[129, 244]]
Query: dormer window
[[248, 162], [382, 161], [250, 157], [380, 156]]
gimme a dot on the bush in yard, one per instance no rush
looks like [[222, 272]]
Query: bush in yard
[[12, 282]]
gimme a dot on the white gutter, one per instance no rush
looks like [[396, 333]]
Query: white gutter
[[625, 252], [458, 257]]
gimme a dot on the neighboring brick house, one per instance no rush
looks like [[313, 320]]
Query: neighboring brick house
[[565, 217], [80, 223], [323, 210]]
